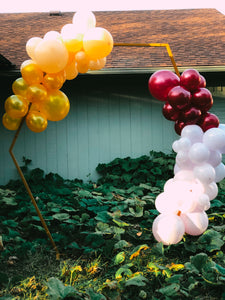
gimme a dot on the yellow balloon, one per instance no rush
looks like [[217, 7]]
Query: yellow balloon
[[51, 56], [36, 121], [31, 72], [82, 62], [16, 106], [56, 106], [31, 45], [54, 81], [71, 70], [36, 93], [20, 86], [72, 38], [97, 43], [97, 64], [10, 123]]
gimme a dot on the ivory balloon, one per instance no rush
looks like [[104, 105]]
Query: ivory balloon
[[56, 106], [214, 138], [36, 121], [19, 87], [52, 35], [31, 72], [215, 158], [84, 20], [198, 153], [211, 190], [51, 56], [31, 45], [195, 222], [97, 43], [16, 106], [205, 173], [193, 132], [220, 172], [10, 123], [168, 229]]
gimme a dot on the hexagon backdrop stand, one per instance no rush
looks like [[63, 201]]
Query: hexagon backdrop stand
[[21, 124]]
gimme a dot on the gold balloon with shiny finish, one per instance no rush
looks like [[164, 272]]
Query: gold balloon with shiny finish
[[54, 81], [20, 86], [36, 121], [16, 106], [31, 72], [10, 123], [36, 93], [56, 106], [97, 43]]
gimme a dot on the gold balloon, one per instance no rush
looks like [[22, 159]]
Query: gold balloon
[[72, 38], [10, 123], [97, 64], [71, 70], [54, 81], [36, 93], [19, 87], [82, 61], [97, 43], [56, 106], [16, 106], [36, 121], [31, 72], [51, 56]]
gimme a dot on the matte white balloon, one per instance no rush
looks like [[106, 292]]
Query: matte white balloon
[[211, 190], [184, 175], [168, 229], [205, 173], [195, 222], [220, 172], [214, 138], [203, 203], [215, 158], [193, 132], [166, 203], [198, 153]]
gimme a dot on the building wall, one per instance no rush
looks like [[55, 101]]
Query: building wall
[[110, 116]]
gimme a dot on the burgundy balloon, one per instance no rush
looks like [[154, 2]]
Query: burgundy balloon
[[178, 126], [191, 115], [190, 79], [161, 82], [202, 99], [179, 98], [202, 82], [169, 112], [208, 120]]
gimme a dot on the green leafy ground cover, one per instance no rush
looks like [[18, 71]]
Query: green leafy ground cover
[[103, 232]]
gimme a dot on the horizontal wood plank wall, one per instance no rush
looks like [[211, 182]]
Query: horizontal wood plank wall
[[107, 119]]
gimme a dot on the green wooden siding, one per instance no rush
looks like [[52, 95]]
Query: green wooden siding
[[108, 118]]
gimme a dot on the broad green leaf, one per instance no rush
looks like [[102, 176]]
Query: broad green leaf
[[199, 260], [175, 278], [124, 270], [219, 269], [158, 250], [121, 244], [10, 223], [61, 216], [170, 290], [95, 296], [138, 213], [57, 290], [119, 258], [211, 240], [138, 280]]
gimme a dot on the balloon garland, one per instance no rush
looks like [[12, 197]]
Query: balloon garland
[[186, 197], [55, 58]]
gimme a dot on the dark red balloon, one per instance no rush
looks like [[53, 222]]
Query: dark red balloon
[[178, 126], [190, 79], [202, 82], [208, 121], [179, 98], [161, 82], [169, 112], [202, 99], [191, 115]]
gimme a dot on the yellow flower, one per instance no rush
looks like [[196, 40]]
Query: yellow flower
[[176, 267], [211, 218]]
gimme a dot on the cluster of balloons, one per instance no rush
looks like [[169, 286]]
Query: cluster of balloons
[[55, 58], [187, 196], [187, 100], [198, 168]]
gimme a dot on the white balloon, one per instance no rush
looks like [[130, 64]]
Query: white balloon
[[176, 169], [205, 173], [166, 203], [198, 153], [220, 172], [203, 203], [214, 138], [168, 229], [192, 132], [215, 158], [195, 222], [84, 20], [183, 161], [175, 146], [52, 35], [184, 144], [184, 175], [211, 190]]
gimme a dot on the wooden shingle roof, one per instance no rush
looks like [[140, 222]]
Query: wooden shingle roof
[[196, 36]]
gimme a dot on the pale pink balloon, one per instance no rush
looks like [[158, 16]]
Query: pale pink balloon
[[168, 229], [211, 190], [195, 222]]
